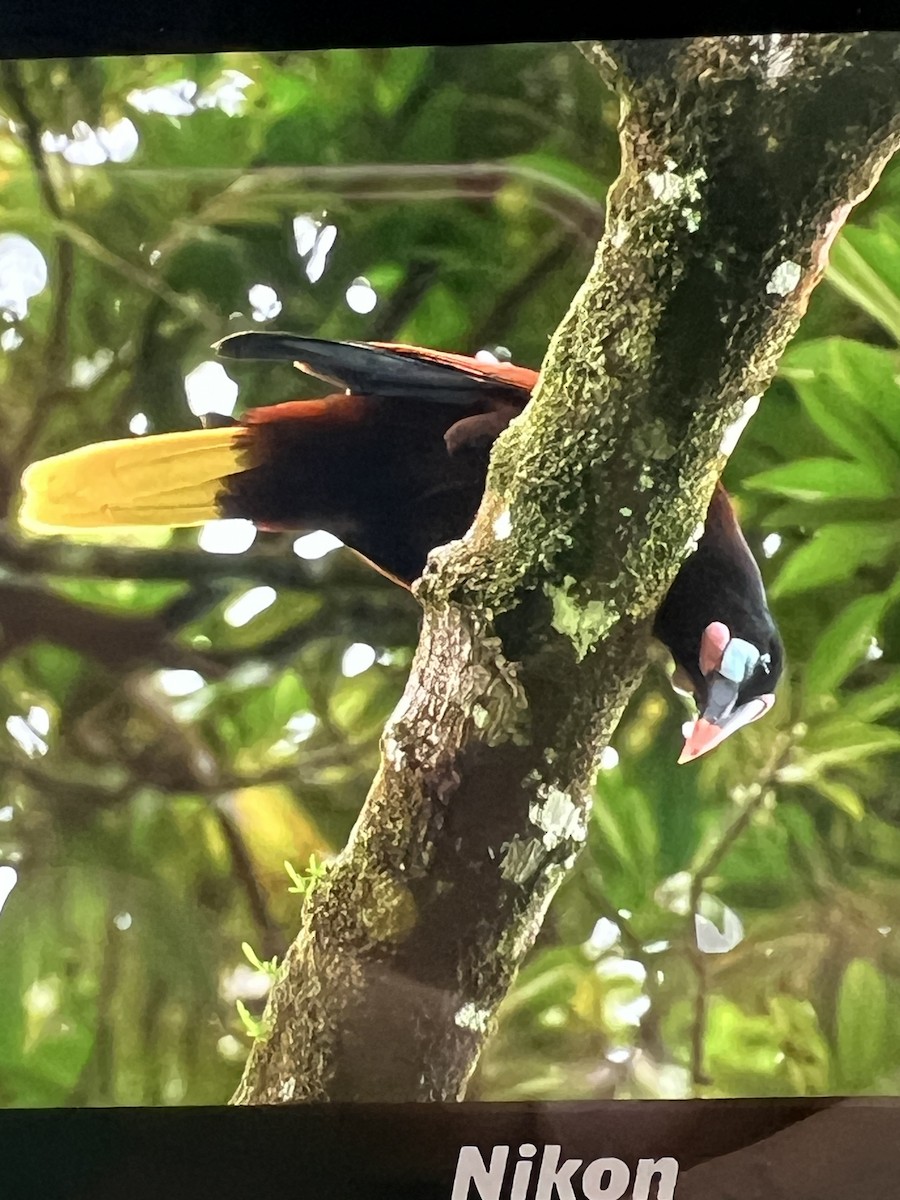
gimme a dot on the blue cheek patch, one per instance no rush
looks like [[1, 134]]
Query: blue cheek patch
[[739, 661]]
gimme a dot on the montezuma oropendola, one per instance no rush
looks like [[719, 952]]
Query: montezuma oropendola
[[394, 466]]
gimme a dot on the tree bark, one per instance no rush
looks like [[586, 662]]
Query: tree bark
[[741, 158]]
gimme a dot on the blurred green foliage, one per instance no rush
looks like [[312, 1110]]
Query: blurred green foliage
[[730, 927]]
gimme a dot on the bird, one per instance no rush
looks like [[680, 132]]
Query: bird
[[394, 464]]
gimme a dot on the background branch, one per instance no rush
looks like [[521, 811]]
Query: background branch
[[55, 556]]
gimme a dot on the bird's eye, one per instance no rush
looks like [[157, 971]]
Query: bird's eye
[[764, 661]]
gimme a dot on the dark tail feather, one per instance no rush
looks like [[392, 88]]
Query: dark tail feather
[[365, 370]]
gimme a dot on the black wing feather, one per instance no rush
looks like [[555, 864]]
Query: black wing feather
[[368, 370]]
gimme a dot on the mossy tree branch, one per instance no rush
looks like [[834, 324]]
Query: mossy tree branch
[[741, 158]]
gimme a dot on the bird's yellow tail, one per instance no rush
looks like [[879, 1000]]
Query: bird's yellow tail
[[172, 479]]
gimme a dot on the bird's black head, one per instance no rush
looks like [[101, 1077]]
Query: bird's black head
[[736, 685]]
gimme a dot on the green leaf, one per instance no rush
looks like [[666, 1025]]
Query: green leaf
[[742, 1049], [287, 698], [267, 966], [385, 276], [804, 1050], [875, 702], [820, 479], [854, 276], [844, 644], [132, 596], [834, 553], [801, 514], [400, 72], [211, 268], [869, 375], [842, 742], [54, 669], [862, 1025], [254, 1028], [832, 376], [441, 319], [624, 840], [305, 883], [552, 980], [843, 797]]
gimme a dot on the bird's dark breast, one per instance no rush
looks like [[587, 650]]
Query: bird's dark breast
[[377, 474]]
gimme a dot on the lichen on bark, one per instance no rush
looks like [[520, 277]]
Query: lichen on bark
[[741, 157]]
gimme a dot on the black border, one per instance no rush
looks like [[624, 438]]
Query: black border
[[73, 28], [395, 1151]]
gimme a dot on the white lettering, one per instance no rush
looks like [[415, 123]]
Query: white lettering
[[470, 1169], [648, 1169], [602, 1179], [552, 1175], [605, 1179], [522, 1173]]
